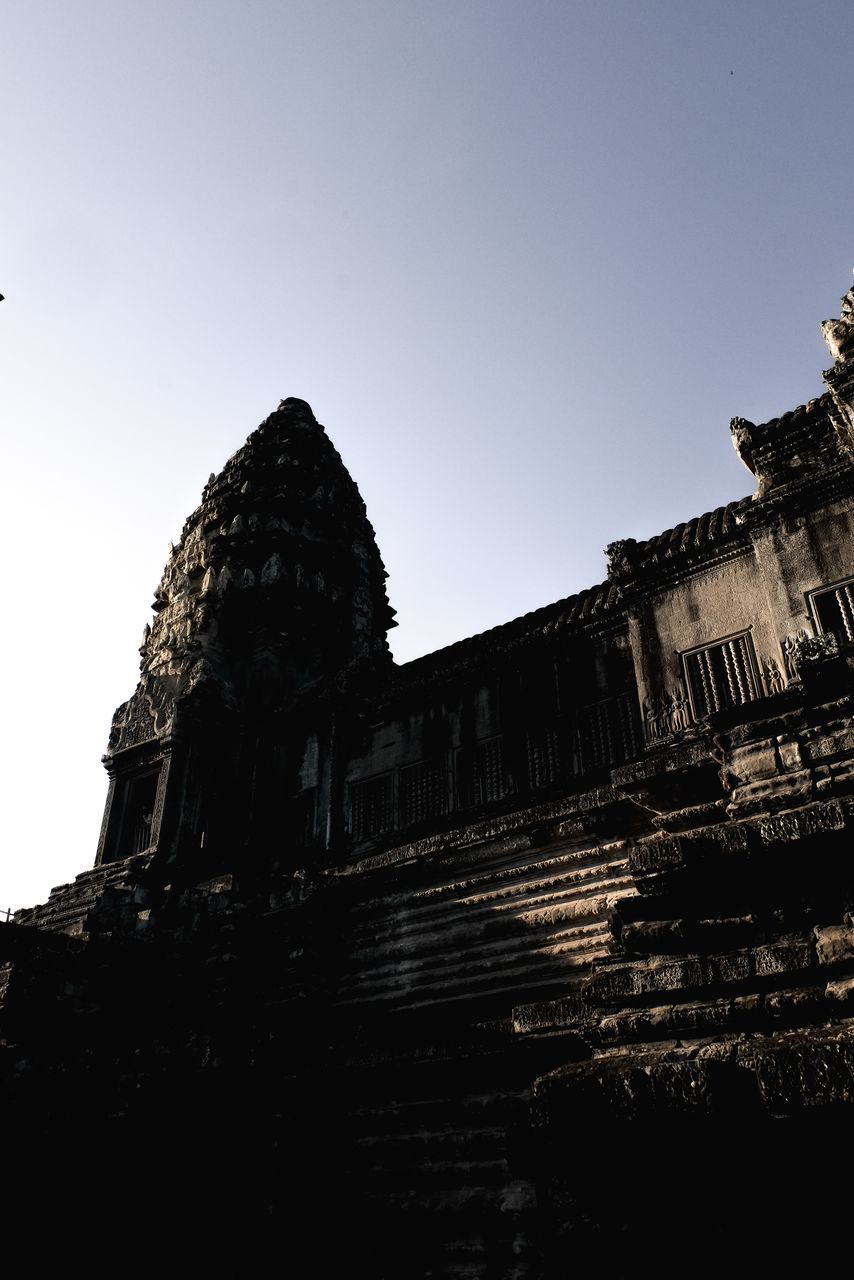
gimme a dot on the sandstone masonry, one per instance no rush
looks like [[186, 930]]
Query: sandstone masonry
[[533, 954]]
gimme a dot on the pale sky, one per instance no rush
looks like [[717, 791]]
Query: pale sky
[[525, 261]]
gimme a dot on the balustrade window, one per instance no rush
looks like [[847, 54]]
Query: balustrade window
[[833, 611], [545, 756], [722, 675], [423, 791], [372, 807], [481, 773], [608, 731]]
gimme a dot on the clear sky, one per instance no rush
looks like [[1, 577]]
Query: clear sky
[[525, 261]]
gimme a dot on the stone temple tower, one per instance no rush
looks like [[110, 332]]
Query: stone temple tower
[[272, 603], [529, 956]]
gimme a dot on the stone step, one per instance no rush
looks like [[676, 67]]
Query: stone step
[[747, 1011], [517, 1197], [498, 924], [651, 978], [467, 1112], [415, 915], [493, 953], [527, 969], [433, 1175], [518, 872], [542, 983], [484, 1139]]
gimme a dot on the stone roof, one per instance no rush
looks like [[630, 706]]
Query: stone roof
[[777, 452], [569, 613], [698, 535], [683, 543], [792, 451]]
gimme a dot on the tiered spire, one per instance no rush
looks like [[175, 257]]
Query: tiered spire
[[276, 583]]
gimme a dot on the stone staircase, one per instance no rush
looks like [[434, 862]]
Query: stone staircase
[[69, 904], [444, 1173], [500, 930]]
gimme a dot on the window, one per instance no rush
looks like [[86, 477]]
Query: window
[[139, 797], [833, 611], [545, 756], [608, 731], [423, 791], [481, 775], [721, 675], [371, 807]]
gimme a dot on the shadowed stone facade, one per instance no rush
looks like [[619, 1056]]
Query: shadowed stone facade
[[532, 954]]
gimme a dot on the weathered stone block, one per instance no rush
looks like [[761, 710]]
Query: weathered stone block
[[782, 791], [733, 967], [839, 743], [655, 855], [729, 839], [727, 931], [842, 991], [794, 1005], [806, 1070], [782, 957], [760, 760], [546, 1014], [834, 943], [626, 981], [797, 824], [747, 1008], [649, 937], [610, 984], [791, 756]]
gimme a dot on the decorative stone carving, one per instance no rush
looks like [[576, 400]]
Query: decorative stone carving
[[680, 714], [160, 799], [667, 714], [741, 430], [839, 334], [790, 652], [619, 558], [132, 724], [810, 649], [774, 679]]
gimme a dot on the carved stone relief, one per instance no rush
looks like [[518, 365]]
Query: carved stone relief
[[813, 648], [667, 714], [806, 648], [132, 724], [160, 800], [790, 652], [619, 556], [775, 681]]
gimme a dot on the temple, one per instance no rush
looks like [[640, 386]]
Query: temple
[[533, 953]]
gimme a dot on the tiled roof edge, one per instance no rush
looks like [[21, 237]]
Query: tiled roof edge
[[706, 530]]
